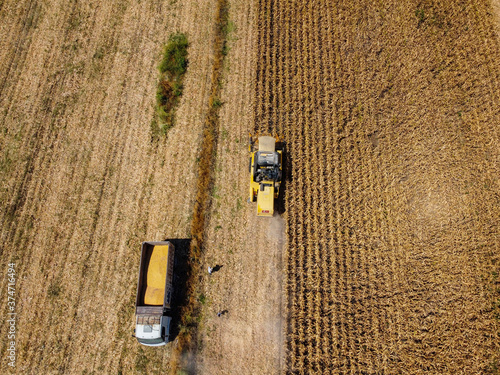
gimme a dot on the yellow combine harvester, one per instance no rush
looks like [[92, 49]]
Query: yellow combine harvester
[[265, 169]]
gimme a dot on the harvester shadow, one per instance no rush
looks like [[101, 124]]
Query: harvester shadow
[[286, 177], [182, 269]]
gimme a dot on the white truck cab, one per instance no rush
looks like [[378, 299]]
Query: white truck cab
[[153, 333]]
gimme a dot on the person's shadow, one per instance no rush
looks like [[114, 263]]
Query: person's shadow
[[216, 268]]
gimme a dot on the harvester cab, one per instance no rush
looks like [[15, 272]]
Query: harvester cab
[[265, 168]]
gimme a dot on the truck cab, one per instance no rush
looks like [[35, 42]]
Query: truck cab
[[152, 330]]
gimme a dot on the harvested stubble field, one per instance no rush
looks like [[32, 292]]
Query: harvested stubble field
[[82, 180], [391, 111]]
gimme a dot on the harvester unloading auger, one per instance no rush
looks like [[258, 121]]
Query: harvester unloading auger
[[265, 169]]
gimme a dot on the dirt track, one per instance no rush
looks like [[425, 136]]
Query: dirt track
[[249, 337]]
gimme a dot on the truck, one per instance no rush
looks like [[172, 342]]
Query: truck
[[265, 168], [154, 293]]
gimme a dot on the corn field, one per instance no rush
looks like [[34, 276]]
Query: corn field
[[390, 111]]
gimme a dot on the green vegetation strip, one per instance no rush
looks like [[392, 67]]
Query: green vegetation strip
[[169, 90], [188, 331]]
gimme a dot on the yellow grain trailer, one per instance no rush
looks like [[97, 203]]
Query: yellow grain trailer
[[154, 293], [265, 168]]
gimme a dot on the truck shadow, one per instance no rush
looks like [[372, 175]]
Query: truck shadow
[[181, 272]]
